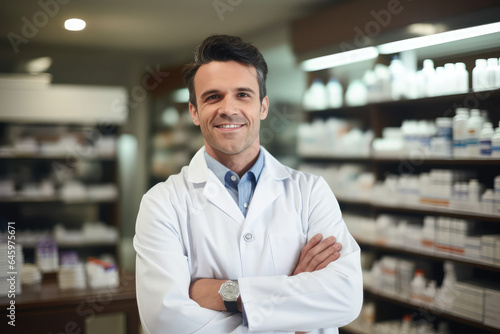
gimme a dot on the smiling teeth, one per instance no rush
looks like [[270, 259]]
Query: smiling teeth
[[229, 126]]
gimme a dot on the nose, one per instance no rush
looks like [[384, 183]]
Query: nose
[[229, 106]]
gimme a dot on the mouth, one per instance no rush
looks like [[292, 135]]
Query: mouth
[[229, 126]]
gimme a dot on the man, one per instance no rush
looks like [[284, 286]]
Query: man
[[237, 242]]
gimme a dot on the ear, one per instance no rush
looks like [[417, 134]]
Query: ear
[[264, 108], [194, 114]]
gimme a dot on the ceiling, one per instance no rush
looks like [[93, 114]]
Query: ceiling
[[150, 26]]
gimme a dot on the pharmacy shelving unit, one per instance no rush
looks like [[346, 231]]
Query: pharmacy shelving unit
[[41, 213], [377, 116]]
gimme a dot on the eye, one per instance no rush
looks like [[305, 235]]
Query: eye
[[212, 97], [243, 95]]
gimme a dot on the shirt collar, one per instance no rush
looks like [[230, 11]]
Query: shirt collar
[[220, 170]]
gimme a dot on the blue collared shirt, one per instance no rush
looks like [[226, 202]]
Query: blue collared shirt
[[241, 190]]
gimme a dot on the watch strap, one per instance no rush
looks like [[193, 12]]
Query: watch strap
[[231, 306]]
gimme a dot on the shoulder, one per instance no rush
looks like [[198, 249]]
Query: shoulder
[[293, 177], [174, 185]]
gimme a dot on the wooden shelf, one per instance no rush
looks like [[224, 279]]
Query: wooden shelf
[[45, 308], [456, 213], [432, 100], [53, 199], [429, 308], [66, 245], [435, 256], [54, 157], [399, 159], [426, 210]]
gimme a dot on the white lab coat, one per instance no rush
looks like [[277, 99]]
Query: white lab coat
[[189, 227]]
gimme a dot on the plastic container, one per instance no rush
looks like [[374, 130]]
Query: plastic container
[[488, 202], [496, 202], [450, 79], [398, 78], [460, 132], [479, 73], [335, 94], [462, 78], [474, 127], [495, 144], [316, 97], [429, 77], [485, 137], [428, 233], [418, 285], [474, 192], [491, 73]]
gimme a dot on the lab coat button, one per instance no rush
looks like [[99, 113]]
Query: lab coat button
[[248, 237]]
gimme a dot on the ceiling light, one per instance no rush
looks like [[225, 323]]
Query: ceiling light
[[339, 59], [424, 29], [441, 38], [74, 24], [38, 65]]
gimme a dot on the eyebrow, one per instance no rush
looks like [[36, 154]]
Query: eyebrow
[[216, 91]]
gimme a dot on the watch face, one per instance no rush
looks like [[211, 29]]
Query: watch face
[[230, 291]]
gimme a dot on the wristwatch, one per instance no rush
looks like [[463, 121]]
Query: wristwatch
[[230, 291]]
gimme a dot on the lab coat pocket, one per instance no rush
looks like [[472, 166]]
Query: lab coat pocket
[[285, 248]]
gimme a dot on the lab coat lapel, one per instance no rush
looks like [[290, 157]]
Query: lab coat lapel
[[213, 190], [216, 193], [269, 187]]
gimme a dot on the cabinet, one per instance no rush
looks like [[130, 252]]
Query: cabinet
[[369, 204], [59, 181], [58, 164]]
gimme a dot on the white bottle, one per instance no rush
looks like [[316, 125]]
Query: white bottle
[[335, 94], [431, 291], [485, 137], [496, 202], [418, 285], [498, 74], [450, 80], [475, 190], [474, 126], [429, 77], [398, 78], [440, 81], [491, 73], [428, 233], [383, 75], [460, 131], [462, 78], [495, 143], [319, 97], [356, 93], [488, 202], [370, 81], [479, 74], [444, 127]]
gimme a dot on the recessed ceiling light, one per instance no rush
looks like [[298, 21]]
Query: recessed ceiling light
[[74, 24]]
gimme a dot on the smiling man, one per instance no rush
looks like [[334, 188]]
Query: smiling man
[[237, 242], [229, 110]]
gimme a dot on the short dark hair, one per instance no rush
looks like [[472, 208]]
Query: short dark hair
[[225, 48]]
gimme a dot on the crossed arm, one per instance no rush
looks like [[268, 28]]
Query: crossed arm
[[315, 255]]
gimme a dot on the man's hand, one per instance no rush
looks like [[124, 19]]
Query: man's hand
[[317, 254], [205, 292]]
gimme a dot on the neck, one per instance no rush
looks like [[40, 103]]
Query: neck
[[239, 163]]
